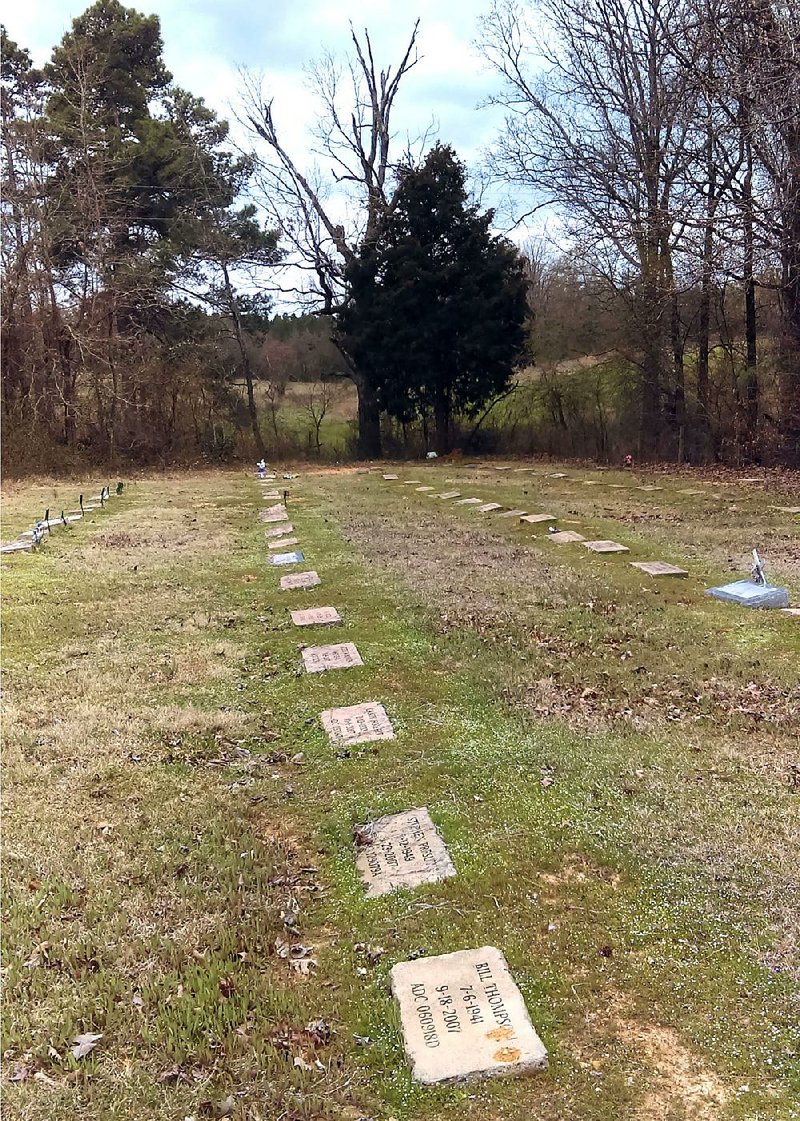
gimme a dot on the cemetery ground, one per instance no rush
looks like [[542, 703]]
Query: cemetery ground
[[611, 759]]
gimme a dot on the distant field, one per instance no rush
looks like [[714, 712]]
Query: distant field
[[611, 760]]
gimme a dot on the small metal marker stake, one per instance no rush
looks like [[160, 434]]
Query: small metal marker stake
[[47, 519], [120, 486], [758, 575], [81, 505]]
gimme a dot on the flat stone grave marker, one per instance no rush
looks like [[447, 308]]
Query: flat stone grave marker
[[753, 479], [401, 850], [361, 723], [514, 514], [340, 655], [286, 558], [450, 494], [315, 616], [659, 568], [469, 502], [300, 580], [17, 547], [691, 492], [618, 486], [391, 478], [488, 507], [274, 514], [504, 468], [282, 542], [464, 1018], [411, 482], [565, 537], [790, 611], [534, 519], [592, 482], [558, 475], [649, 488], [789, 509], [425, 488], [270, 495], [279, 530], [606, 547]]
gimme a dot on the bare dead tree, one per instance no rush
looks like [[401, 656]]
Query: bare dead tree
[[326, 216]]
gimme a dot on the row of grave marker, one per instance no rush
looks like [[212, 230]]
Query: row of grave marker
[[29, 539], [462, 1014]]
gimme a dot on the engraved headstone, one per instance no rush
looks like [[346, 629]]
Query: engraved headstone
[[464, 1018], [315, 616], [286, 558], [277, 514], [513, 514], [361, 723], [279, 530], [659, 568], [300, 580], [449, 494], [488, 507], [390, 478], [534, 519], [605, 547], [565, 537], [282, 542], [340, 655], [401, 850]]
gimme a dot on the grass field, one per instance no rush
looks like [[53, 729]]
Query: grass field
[[611, 759]]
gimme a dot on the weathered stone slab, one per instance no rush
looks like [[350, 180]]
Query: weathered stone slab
[[401, 850], [558, 475], [605, 547], [17, 547], [282, 542], [790, 611], [691, 492], [271, 495], [565, 537], [450, 494], [315, 616], [286, 558], [422, 489], [593, 482], [789, 509], [279, 530], [411, 482], [535, 519], [488, 507], [274, 514], [752, 479], [470, 502], [300, 580], [464, 1018], [361, 723], [649, 488], [390, 478], [513, 514], [501, 468], [340, 655], [659, 568], [618, 486]]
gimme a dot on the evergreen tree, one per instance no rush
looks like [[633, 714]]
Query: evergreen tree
[[439, 303]]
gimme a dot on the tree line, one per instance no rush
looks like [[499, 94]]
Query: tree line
[[143, 253]]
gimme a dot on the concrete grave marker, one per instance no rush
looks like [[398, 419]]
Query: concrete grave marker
[[534, 519], [514, 514], [753, 479], [315, 616], [503, 468], [659, 568], [565, 537], [488, 507], [650, 488], [618, 486], [286, 558], [390, 478], [401, 850], [558, 475], [592, 482], [790, 611], [340, 655], [691, 492], [450, 494], [274, 514], [605, 547], [464, 1018], [282, 542], [270, 496], [279, 530], [17, 547], [361, 723], [789, 509], [470, 502], [411, 482], [422, 489], [300, 580]]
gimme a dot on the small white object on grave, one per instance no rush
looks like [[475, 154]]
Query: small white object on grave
[[279, 530], [362, 723], [401, 851], [470, 502], [535, 519], [565, 537], [488, 507], [464, 1018], [282, 542], [605, 547], [299, 580], [340, 655], [513, 514], [315, 616], [286, 558], [659, 568], [391, 478], [450, 494]]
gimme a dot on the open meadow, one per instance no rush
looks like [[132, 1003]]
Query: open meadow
[[611, 759]]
